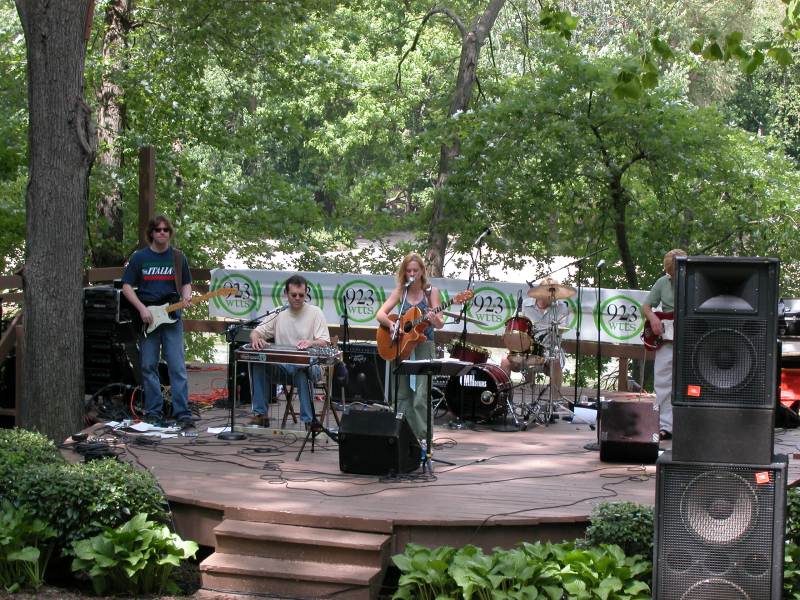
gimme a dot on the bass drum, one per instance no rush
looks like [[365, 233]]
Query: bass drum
[[485, 388]]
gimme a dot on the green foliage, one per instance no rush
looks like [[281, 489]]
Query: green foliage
[[791, 571], [793, 515], [528, 571], [626, 524], [26, 543], [79, 500], [137, 557], [20, 448]]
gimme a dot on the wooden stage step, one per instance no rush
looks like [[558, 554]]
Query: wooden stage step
[[293, 542], [296, 561]]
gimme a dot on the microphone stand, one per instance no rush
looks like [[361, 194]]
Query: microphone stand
[[598, 278], [578, 324], [231, 332], [345, 342], [458, 422], [397, 344]]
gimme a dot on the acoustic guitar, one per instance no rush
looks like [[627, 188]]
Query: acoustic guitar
[[161, 312], [653, 341], [411, 330]]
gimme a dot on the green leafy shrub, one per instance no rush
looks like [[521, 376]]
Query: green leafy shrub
[[626, 524], [135, 558], [79, 500], [528, 571], [791, 571], [20, 448], [425, 572], [793, 515], [26, 544]]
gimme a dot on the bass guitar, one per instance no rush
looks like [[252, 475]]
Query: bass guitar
[[411, 329], [653, 341], [161, 312]]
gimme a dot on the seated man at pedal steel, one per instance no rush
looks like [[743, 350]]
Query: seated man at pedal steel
[[538, 310], [301, 326]]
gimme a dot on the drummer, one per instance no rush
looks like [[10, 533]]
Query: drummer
[[541, 317]]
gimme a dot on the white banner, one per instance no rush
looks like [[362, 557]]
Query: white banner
[[362, 295]]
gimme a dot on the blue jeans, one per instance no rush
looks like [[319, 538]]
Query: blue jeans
[[168, 338], [302, 377]]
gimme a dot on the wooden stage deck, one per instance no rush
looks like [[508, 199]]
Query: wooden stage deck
[[503, 488]]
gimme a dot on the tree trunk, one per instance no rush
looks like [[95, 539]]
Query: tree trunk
[[471, 42], [61, 149], [619, 202], [107, 244]]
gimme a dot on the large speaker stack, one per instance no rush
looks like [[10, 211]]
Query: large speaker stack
[[720, 493], [109, 339]]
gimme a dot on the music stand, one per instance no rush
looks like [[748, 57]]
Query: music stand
[[431, 367]]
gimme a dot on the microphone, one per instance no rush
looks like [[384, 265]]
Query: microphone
[[483, 234], [279, 309], [601, 263], [409, 282]]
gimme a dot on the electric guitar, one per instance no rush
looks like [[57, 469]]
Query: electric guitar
[[161, 312], [411, 329], [653, 341]]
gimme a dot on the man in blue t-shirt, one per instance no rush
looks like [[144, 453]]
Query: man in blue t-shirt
[[152, 271]]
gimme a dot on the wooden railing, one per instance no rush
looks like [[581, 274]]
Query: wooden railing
[[201, 277]]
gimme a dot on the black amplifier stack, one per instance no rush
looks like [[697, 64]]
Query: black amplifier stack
[[721, 492], [109, 338]]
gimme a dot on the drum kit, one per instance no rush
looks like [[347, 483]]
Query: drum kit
[[486, 392]]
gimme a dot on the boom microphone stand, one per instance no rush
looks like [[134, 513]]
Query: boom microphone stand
[[598, 277], [458, 422]]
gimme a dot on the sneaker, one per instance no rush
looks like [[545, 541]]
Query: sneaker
[[185, 422], [153, 420], [259, 420]]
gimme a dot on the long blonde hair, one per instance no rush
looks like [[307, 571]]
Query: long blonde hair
[[423, 271]]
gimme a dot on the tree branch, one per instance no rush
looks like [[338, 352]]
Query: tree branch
[[433, 11]]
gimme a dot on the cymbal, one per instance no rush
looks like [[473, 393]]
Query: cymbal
[[556, 291]]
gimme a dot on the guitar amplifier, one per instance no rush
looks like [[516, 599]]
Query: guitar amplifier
[[106, 303], [628, 432]]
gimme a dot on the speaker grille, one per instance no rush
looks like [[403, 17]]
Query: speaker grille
[[727, 363], [716, 530]]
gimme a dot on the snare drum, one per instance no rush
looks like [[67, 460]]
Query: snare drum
[[518, 335], [469, 353], [485, 389]]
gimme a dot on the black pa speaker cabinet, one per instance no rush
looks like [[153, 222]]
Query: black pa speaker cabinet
[[719, 530], [628, 432], [725, 332], [723, 434], [365, 374], [107, 356], [377, 443]]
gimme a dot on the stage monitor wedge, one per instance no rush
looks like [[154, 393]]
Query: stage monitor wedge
[[725, 332], [377, 443], [719, 530]]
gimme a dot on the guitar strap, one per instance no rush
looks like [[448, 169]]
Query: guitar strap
[[177, 267]]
